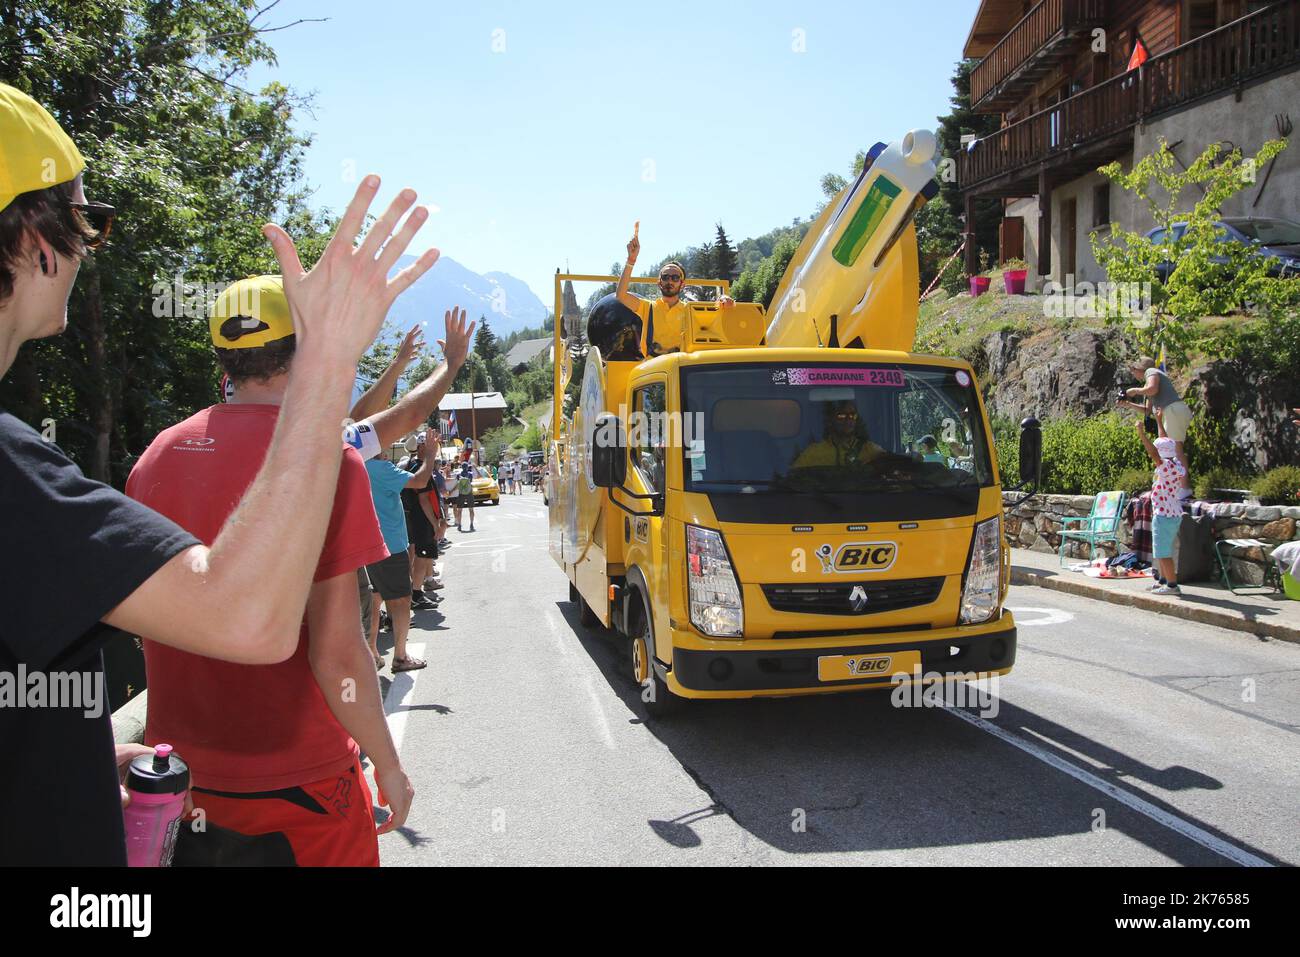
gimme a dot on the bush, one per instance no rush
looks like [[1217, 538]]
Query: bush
[[1087, 456], [1203, 486], [496, 440], [1278, 486], [1133, 482]]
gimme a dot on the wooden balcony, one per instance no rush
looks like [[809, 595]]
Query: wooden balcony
[[1030, 50], [1096, 126]]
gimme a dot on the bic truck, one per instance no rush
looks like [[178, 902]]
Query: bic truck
[[794, 502]]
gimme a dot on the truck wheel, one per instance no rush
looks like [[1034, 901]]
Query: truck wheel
[[585, 615], [658, 700]]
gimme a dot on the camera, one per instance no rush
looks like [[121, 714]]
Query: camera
[[1121, 395]]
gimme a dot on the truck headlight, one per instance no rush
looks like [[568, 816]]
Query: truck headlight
[[714, 593], [979, 597]]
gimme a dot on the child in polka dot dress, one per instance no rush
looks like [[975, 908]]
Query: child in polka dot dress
[[1167, 485]]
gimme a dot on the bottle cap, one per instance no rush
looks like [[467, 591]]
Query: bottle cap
[[162, 772]]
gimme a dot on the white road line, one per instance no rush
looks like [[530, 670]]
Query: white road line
[[1127, 798], [1055, 616], [400, 695]]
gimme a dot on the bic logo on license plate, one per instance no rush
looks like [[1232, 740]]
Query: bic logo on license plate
[[858, 557], [847, 667]]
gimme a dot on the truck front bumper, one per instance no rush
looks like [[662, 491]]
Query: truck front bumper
[[729, 670]]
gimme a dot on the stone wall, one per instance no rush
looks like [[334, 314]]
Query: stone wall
[[1036, 525]]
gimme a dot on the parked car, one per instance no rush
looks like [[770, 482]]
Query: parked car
[[1276, 239]]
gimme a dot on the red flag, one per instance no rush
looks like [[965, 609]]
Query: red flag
[[1139, 56]]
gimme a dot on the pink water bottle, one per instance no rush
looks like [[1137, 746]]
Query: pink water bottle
[[158, 784]]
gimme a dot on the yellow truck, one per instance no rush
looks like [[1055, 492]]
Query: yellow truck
[[793, 503]]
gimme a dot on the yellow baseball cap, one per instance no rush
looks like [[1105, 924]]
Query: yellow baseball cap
[[250, 313], [35, 153]]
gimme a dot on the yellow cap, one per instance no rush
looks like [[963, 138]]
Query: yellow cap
[[250, 313], [35, 153]]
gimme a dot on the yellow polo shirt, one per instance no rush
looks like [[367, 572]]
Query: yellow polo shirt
[[670, 325], [829, 453]]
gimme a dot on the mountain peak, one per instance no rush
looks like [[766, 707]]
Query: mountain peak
[[507, 303]]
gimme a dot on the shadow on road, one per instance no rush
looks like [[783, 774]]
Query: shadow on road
[[851, 772]]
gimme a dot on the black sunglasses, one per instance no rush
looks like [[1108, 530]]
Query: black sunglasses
[[671, 276], [98, 217]]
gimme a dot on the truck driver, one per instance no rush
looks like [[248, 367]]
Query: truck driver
[[846, 440]]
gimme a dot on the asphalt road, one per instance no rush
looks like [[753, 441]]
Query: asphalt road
[[1121, 738]]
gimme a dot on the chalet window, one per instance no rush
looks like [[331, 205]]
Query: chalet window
[[1101, 205]]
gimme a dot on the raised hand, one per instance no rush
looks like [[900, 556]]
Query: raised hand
[[634, 244], [456, 346], [410, 347], [340, 304]]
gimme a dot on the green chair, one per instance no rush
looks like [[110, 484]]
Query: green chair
[[1222, 551], [1099, 525]]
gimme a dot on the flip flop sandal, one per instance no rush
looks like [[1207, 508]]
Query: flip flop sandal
[[408, 663]]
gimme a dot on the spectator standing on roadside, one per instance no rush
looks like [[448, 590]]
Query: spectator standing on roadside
[[238, 598], [391, 577], [420, 529], [1158, 392], [1167, 508], [464, 479], [217, 714]]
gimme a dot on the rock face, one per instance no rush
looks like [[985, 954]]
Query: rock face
[[1052, 374], [1257, 407]]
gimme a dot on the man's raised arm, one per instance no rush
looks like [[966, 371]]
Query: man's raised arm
[[243, 598], [417, 405], [377, 397], [633, 250]]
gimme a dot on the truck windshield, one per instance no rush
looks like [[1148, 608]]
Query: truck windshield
[[835, 429]]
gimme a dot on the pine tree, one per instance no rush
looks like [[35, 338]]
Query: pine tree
[[963, 120], [701, 266], [724, 256], [485, 342]]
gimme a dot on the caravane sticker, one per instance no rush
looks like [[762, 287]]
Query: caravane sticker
[[963, 378], [848, 376]]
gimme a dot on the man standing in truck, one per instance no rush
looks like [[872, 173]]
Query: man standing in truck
[[663, 322]]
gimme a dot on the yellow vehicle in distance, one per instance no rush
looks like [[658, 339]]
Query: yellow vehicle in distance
[[484, 487], [769, 512]]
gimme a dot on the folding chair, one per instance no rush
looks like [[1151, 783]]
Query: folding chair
[[1099, 525], [1272, 580]]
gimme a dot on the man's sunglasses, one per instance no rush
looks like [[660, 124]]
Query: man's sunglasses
[[671, 276], [99, 218], [846, 415]]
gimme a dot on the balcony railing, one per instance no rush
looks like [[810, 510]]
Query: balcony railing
[[1049, 21], [1229, 57]]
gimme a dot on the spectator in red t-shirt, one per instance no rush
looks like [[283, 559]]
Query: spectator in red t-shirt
[[272, 748]]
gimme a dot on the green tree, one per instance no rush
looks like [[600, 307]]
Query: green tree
[[724, 256], [1209, 276], [194, 163], [961, 120], [485, 341]]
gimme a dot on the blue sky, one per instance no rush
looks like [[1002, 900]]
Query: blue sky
[[542, 131]]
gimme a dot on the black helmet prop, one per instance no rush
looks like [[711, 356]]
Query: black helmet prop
[[615, 330]]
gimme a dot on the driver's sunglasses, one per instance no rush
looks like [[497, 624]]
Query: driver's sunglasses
[[671, 276], [99, 217], [846, 415]]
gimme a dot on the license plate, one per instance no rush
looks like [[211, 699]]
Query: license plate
[[858, 667]]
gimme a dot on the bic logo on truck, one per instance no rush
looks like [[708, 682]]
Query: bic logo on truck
[[858, 557]]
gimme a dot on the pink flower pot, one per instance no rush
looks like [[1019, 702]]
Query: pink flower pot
[[1014, 280], [979, 285]]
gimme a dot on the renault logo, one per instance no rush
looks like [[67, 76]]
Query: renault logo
[[858, 598]]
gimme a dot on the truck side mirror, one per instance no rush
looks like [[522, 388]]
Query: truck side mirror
[[1031, 452], [608, 452]]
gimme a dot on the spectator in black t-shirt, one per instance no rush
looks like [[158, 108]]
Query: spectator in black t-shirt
[[419, 525], [243, 598]]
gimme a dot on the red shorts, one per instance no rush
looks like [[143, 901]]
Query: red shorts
[[328, 823]]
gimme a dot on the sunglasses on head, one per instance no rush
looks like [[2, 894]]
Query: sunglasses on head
[[98, 217]]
